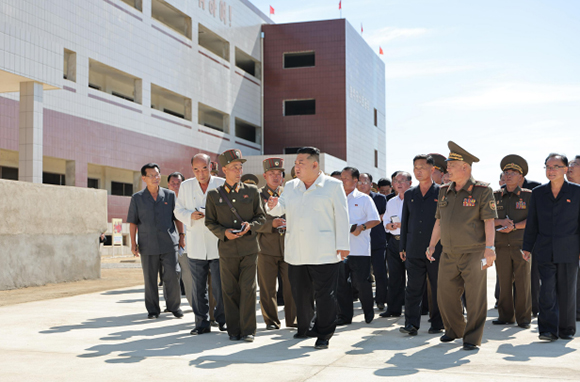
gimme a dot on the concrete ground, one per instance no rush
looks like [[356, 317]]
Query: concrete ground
[[105, 336]]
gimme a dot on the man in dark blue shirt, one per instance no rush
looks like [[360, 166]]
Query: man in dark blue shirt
[[417, 223]]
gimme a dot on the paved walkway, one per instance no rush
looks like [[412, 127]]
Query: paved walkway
[[106, 337]]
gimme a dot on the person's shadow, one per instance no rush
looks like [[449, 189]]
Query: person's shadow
[[526, 352]]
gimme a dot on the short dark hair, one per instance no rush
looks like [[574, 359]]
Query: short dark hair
[[562, 157], [384, 182], [577, 157], [175, 174], [369, 175], [353, 172], [313, 152], [427, 157], [335, 173], [149, 165], [394, 174]]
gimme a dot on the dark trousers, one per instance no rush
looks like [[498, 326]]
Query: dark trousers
[[150, 265], [418, 270], [396, 288], [238, 279], [380, 271], [268, 269], [355, 271], [535, 285], [558, 298], [199, 270], [578, 296], [318, 283], [513, 270]]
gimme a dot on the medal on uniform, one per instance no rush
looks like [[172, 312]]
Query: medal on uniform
[[521, 205], [469, 202]]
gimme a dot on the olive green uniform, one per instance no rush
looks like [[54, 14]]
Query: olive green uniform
[[270, 262], [461, 215], [237, 257], [510, 265]]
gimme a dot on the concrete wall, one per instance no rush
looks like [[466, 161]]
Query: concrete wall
[[49, 234]]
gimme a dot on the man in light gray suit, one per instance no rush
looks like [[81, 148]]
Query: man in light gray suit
[[151, 214]]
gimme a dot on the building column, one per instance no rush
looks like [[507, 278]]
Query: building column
[[76, 174], [30, 132]]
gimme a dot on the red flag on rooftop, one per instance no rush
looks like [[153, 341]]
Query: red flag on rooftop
[[361, 28], [381, 50], [272, 10], [340, 4]]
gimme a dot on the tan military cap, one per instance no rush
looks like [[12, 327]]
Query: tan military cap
[[250, 179], [273, 164], [293, 173], [459, 154], [213, 166], [439, 162], [229, 156], [514, 162]]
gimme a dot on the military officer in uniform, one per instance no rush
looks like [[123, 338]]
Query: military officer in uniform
[[439, 168], [271, 257], [233, 212], [465, 224], [512, 210], [214, 169], [250, 179]]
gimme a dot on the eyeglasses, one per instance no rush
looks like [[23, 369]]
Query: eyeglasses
[[363, 182], [553, 168], [400, 181]]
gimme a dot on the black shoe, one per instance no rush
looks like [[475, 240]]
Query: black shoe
[[370, 318], [223, 327], [272, 327], [213, 323], [547, 336], [577, 318], [566, 336], [389, 314], [299, 336], [178, 313], [433, 330], [235, 338], [524, 325], [380, 306], [197, 331], [446, 338], [248, 338], [468, 346], [152, 315], [321, 344], [408, 329], [166, 310], [342, 321], [500, 322]]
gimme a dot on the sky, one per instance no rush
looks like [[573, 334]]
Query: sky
[[496, 77]]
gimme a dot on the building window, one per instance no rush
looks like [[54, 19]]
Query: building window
[[70, 66], [213, 118], [115, 82], [51, 178], [291, 150], [170, 102], [248, 64], [93, 183], [137, 4], [376, 158], [376, 118], [9, 173], [121, 189], [300, 107], [298, 60], [171, 17], [247, 131], [213, 42]]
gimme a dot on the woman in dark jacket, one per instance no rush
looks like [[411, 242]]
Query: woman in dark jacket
[[553, 232]]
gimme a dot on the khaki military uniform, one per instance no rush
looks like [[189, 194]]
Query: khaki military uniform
[[270, 262], [510, 265], [461, 214], [238, 257]]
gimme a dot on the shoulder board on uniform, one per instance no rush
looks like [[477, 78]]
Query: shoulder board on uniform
[[445, 185], [526, 190], [479, 183], [498, 191]]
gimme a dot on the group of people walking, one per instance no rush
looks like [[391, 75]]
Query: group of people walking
[[318, 237]]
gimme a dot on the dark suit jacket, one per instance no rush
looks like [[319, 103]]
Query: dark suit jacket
[[219, 217], [378, 233], [155, 221], [418, 220], [553, 225]]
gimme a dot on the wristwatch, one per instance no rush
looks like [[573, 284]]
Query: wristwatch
[[364, 227], [492, 247]]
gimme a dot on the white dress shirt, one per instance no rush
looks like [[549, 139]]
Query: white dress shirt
[[394, 208], [202, 244], [316, 221], [361, 209]]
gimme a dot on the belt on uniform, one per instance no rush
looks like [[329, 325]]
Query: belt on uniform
[[397, 237]]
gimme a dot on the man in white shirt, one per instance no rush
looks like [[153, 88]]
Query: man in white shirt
[[317, 239], [363, 216], [202, 244], [392, 222]]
